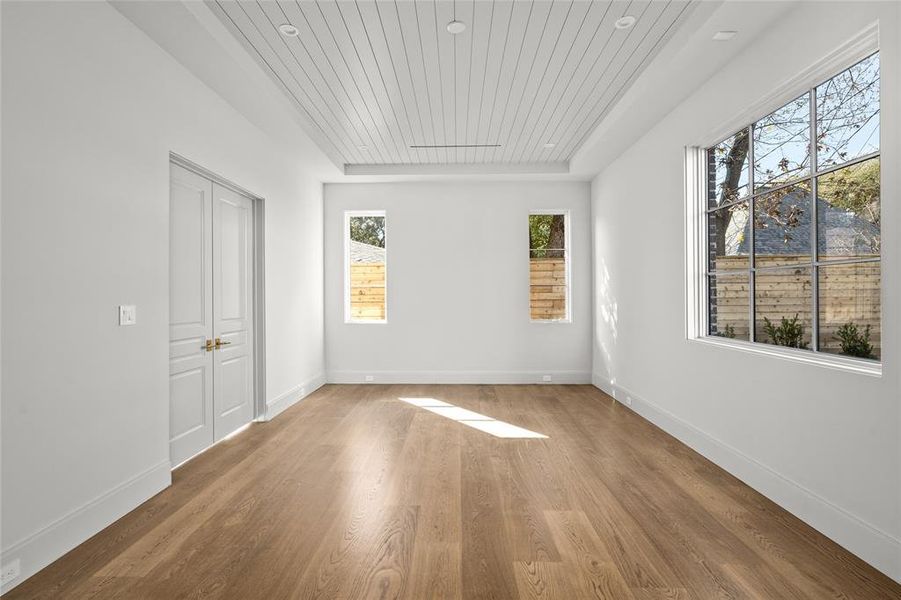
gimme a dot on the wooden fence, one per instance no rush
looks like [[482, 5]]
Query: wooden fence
[[848, 293], [547, 289], [367, 291]]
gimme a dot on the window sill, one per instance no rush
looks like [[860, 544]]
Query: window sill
[[830, 361], [552, 321], [365, 322]]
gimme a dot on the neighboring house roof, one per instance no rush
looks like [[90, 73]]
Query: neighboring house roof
[[841, 232], [366, 253]]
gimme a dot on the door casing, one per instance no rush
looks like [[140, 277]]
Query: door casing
[[259, 288]]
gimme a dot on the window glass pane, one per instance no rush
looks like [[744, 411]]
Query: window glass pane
[[782, 227], [850, 309], [547, 267], [848, 114], [547, 235], [848, 212], [367, 268], [782, 144], [783, 307], [728, 237], [728, 309], [727, 163]]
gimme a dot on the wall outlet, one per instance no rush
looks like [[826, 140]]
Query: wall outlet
[[545, 378], [628, 400], [369, 379], [128, 314], [9, 572]]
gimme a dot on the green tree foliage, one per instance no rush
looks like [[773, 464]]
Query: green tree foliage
[[368, 230], [855, 189], [547, 235]]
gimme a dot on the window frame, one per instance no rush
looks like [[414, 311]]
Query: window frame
[[697, 324], [567, 254], [348, 215]]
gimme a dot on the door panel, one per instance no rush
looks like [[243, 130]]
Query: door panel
[[233, 306], [190, 314]]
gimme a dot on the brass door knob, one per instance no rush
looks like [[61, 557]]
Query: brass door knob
[[209, 346], [220, 343]]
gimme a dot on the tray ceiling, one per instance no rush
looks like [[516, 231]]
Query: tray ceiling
[[385, 83]]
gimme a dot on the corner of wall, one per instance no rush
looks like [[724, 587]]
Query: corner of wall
[[52, 541], [288, 399]]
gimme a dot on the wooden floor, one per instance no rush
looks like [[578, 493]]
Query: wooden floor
[[355, 494]]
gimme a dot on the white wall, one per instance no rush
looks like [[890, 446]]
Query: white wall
[[823, 443], [91, 110], [458, 276]]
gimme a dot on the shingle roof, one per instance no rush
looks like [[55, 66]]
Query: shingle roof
[[366, 253], [841, 231]]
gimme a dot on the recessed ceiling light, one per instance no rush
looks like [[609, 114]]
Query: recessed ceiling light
[[288, 29], [550, 145], [363, 147], [455, 27], [624, 22], [724, 36]]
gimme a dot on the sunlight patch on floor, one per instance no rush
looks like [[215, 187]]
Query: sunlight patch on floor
[[473, 419]]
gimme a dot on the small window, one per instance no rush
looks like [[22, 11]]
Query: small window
[[793, 227], [365, 285], [549, 266]]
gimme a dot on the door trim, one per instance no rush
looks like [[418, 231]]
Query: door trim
[[259, 281]]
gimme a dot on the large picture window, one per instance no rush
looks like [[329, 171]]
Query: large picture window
[[366, 267], [793, 222]]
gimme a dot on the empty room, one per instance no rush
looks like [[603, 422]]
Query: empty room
[[450, 299]]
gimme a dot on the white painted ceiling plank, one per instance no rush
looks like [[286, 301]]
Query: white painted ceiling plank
[[292, 56], [363, 68], [311, 52], [497, 53], [410, 38], [377, 77], [297, 84], [534, 35], [311, 21], [668, 21], [515, 42], [442, 15], [366, 17], [390, 44], [590, 72], [428, 37], [561, 29], [584, 18], [628, 55]]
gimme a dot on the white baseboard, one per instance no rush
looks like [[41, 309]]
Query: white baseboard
[[292, 396], [460, 377], [48, 544], [878, 548]]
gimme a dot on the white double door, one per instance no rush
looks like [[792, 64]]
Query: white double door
[[210, 313]]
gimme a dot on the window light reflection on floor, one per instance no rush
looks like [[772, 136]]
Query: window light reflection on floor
[[472, 419]]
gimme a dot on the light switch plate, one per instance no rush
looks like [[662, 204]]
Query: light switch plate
[[128, 314]]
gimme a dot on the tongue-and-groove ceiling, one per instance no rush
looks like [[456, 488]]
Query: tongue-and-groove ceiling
[[385, 83]]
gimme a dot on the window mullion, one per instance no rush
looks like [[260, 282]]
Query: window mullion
[[814, 228], [752, 295]]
